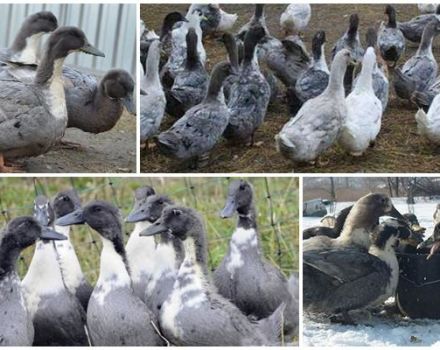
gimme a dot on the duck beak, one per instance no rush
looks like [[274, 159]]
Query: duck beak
[[129, 104], [229, 209], [395, 214], [73, 218], [49, 234], [417, 228], [155, 229], [426, 244], [137, 215], [91, 50]]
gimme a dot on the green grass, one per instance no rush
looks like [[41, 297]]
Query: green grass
[[207, 195]]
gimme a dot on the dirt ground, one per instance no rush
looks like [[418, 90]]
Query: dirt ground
[[398, 148], [110, 152]]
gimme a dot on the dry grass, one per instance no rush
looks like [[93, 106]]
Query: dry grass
[[398, 147]]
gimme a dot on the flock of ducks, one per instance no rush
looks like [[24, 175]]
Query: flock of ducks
[[40, 97], [350, 262], [156, 290], [326, 105]]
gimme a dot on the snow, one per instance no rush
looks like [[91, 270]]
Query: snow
[[379, 330]]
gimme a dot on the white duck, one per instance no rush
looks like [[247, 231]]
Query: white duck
[[364, 110], [295, 18], [428, 124], [426, 8], [216, 20], [317, 124]]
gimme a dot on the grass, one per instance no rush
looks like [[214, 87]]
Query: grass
[[398, 148], [207, 195]]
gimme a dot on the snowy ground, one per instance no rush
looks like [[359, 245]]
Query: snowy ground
[[379, 331]]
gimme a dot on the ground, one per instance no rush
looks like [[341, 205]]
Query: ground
[[398, 147], [111, 152], [380, 330]]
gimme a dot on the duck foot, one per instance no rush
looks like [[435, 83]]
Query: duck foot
[[64, 144], [16, 168]]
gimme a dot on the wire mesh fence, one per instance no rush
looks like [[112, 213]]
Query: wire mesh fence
[[276, 201]]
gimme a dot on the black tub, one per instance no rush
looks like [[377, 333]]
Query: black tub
[[418, 290]]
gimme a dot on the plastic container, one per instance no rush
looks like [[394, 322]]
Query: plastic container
[[419, 285]]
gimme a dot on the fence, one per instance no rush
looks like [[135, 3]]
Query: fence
[[110, 27], [276, 202]]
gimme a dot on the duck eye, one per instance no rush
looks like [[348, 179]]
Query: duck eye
[[65, 199], [160, 202], [242, 187], [177, 212]]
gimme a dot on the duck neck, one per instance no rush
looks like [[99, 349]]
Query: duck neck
[[26, 49], [352, 31], [319, 61], [392, 19], [174, 246], [425, 47], [365, 81], [196, 252], [259, 11], [192, 56], [247, 217], [114, 267], [50, 70], [140, 250], [336, 80], [8, 256], [249, 52], [245, 236], [152, 65], [357, 227], [231, 47], [215, 87]]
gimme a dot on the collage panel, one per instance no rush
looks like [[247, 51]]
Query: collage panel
[[370, 261], [114, 261], [67, 88]]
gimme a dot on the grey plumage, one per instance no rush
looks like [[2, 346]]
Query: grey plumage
[[413, 29], [390, 39]]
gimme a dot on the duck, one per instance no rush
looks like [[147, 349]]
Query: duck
[[359, 223], [74, 279], [257, 19], [177, 57], [244, 276], [414, 224], [58, 316], [364, 111], [140, 250], [16, 327], [295, 18], [191, 84], [334, 278], [423, 99], [216, 19], [25, 47], [390, 39], [436, 215], [249, 94], [41, 102], [115, 315], [428, 123], [230, 44], [351, 41], [202, 126], [318, 122], [426, 8], [95, 107], [167, 258], [330, 231], [194, 314], [166, 30], [432, 243], [420, 71], [152, 96], [293, 305], [313, 81], [413, 29]]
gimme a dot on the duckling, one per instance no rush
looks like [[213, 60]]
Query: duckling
[[25, 47], [28, 107], [202, 126], [216, 20], [115, 315], [432, 243], [330, 231], [295, 18], [426, 8], [421, 69], [428, 124], [244, 276], [350, 41], [97, 107], [341, 280], [191, 84], [140, 250], [249, 96], [152, 98], [317, 124], [359, 223], [16, 326], [364, 111], [64, 203], [313, 81], [58, 316], [413, 29], [194, 313], [390, 39]]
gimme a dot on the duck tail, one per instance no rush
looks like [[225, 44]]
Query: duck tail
[[272, 326], [422, 121], [403, 85], [422, 99], [284, 146], [168, 143]]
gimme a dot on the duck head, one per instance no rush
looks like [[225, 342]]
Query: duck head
[[152, 209], [141, 195], [371, 37], [318, 42], [390, 12], [66, 202], [43, 211], [118, 85], [39, 23], [414, 223], [169, 21], [353, 25], [240, 199], [378, 205], [388, 234]]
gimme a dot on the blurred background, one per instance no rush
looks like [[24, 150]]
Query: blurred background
[[109, 27], [276, 202]]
